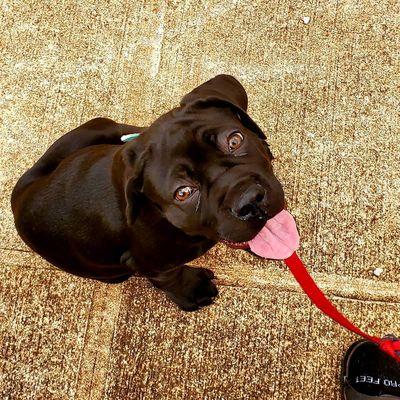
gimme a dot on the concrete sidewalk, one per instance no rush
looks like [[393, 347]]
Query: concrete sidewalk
[[325, 93]]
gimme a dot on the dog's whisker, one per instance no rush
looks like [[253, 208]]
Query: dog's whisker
[[198, 204]]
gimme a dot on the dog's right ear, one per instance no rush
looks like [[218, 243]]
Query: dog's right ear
[[133, 161], [222, 87], [223, 90]]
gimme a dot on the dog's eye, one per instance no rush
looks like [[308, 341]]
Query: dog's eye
[[235, 140], [184, 192]]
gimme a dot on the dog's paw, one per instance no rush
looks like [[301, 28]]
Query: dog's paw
[[194, 289]]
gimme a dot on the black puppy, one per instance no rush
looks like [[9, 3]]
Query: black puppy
[[199, 174]]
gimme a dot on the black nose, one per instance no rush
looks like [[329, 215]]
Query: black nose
[[251, 205]]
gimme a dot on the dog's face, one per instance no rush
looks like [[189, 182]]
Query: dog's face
[[207, 167]]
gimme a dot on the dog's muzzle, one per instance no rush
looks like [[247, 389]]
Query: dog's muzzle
[[251, 205]]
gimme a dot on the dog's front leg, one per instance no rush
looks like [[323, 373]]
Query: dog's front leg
[[190, 288]]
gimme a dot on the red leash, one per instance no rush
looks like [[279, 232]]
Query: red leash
[[389, 344]]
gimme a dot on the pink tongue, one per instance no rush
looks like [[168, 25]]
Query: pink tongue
[[278, 239]]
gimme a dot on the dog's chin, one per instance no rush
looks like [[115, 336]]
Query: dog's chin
[[240, 241]]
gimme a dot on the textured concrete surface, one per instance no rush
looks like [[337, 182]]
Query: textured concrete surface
[[326, 94]]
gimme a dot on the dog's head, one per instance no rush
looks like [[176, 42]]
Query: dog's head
[[206, 166]]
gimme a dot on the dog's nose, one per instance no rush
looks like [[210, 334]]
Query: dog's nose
[[251, 204]]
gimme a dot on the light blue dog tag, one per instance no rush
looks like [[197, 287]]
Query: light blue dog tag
[[129, 137]]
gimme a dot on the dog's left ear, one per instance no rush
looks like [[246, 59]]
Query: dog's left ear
[[223, 90]]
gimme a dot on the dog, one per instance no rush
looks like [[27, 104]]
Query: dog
[[200, 174]]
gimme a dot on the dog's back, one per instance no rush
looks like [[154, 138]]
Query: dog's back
[[95, 131]]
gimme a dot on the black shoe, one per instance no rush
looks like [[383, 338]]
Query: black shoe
[[369, 373]]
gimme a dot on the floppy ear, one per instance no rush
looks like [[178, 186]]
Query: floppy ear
[[133, 159], [223, 91], [223, 87]]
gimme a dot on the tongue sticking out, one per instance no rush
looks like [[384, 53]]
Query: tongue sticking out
[[278, 239]]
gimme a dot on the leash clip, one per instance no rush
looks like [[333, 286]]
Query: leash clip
[[390, 344]]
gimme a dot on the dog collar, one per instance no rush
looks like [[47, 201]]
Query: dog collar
[[129, 137]]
